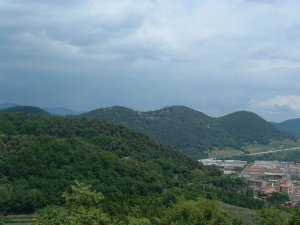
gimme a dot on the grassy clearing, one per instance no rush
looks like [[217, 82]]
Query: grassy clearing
[[243, 214], [224, 153], [273, 145], [254, 148]]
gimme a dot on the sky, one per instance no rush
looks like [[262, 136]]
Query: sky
[[216, 56]]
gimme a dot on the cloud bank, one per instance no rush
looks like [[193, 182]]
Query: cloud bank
[[279, 106], [215, 56]]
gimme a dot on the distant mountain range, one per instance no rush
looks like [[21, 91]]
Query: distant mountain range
[[290, 126], [7, 105], [191, 131], [60, 111], [26, 109], [183, 128]]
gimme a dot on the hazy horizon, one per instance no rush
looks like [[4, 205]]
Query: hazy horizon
[[77, 112], [213, 56]]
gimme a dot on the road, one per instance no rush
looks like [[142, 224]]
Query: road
[[271, 151]]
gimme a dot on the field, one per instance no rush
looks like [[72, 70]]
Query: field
[[254, 148], [243, 214], [18, 219], [273, 145], [224, 153]]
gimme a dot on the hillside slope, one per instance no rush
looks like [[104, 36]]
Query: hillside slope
[[191, 131], [41, 156], [247, 127], [290, 126], [61, 111]]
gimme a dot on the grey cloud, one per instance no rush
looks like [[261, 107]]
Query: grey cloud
[[215, 56]]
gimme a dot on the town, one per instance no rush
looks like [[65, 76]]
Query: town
[[264, 177]]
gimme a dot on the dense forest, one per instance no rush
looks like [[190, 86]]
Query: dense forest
[[41, 156], [44, 159], [83, 206], [191, 131]]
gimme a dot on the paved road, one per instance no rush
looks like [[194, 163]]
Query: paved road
[[271, 151]]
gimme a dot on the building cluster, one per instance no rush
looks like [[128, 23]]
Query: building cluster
[[265, 177], [274, 176], [229, 167]]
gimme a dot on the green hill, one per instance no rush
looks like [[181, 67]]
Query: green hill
[[41, 156], [247, 127], [290, 126], [26, 109], [191, 131]]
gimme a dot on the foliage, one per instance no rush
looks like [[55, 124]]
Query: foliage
[[229, 190], [295, 216], [278, 198], [140, 178], [272, 216], [196, 212], [247, 128], [80, 208], [42, 155], [193, 132]]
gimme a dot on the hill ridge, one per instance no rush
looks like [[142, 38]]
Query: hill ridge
[[192, 131], [32, 110], [291, 126]]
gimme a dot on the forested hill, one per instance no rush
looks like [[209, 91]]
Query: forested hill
[[191, 131], [41, 156], [247, 127], [290, 126], [26, 109]]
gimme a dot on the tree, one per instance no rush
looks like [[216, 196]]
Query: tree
[[81, 208], [138, 221], [295, 217], [278, 198], [202, 212], [272, 216]]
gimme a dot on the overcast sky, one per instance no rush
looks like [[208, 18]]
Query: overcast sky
[[216, 56]]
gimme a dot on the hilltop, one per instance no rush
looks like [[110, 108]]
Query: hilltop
[[191, 131], [59, 111], [247, 127], [26, 109]]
